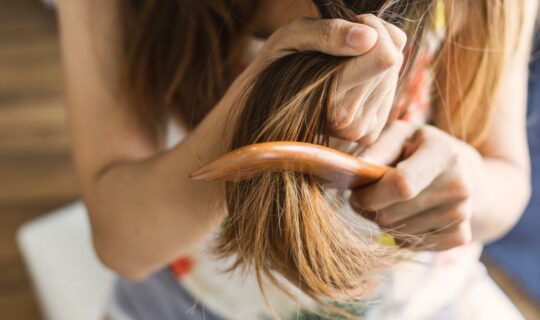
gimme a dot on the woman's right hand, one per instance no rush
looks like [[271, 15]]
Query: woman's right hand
[[367, 89]]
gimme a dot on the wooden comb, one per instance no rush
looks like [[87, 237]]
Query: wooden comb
[[336, 169]]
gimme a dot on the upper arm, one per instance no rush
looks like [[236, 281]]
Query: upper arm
[[507, 139], [103, 130]]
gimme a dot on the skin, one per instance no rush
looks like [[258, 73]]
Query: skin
[[447, 191], [146, 212]]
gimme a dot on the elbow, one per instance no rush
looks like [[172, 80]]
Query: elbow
[[114, 251], [112, 248], [523, 200], [113, 260], [113, 239], [527, 186], [522, 194]]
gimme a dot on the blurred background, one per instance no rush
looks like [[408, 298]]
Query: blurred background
[[35, 171], [36, 175]]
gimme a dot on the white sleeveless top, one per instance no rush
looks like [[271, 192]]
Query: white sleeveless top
[[434, 277]]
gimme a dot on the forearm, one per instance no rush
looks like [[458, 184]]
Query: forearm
[[504, 176], [146, 213], [502, 192]]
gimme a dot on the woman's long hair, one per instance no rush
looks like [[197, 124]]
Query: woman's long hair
[[181, 56], [283, 223]]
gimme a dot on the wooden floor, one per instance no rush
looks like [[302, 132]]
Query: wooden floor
[[35, 170]]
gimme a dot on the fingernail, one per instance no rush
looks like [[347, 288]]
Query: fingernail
[[355, 37]]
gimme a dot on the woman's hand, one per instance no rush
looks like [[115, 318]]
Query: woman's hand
[[368, 84], [428, 193]]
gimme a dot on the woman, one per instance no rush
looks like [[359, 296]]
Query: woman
[[145, 211]]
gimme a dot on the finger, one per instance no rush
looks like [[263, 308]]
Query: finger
[[434, 220], [427, 157], [384, 56], [335, 37], [440, 194], [454, 236], [355, 111], [380, 118], [379, 195], [364, 109], [347, 105], [395, 186], [376, 99], [428, 161], [388, 147], [399, 37]]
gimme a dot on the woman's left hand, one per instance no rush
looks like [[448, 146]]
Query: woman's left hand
[[428, 193]]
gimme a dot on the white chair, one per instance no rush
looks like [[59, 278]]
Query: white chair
[[70, 282]]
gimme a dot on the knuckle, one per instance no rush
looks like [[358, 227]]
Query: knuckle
[[276, 37], [368, 17], [461, 237], [454, 159], [369, 139], [345, 116], [357, 202], [300, 22], [402, 186], [328, 30], [286, 35], [383, 220], [355, 135], [349, 133], [299, 25], [444, 246], [399, 37], [388, 59], [449, 243], [457, 216], [402, 37], [368, 214], [460, 189], [458, 240]]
